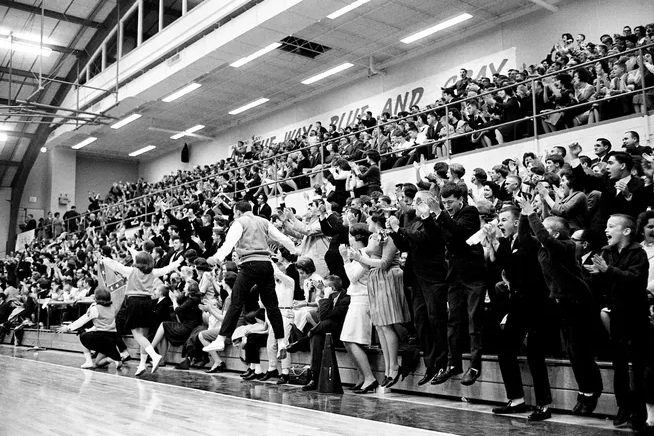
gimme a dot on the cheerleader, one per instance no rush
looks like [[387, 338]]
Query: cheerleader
[[103, 337], [137, 310]]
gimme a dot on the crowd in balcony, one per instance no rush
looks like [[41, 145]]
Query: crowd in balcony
[[555, 248]]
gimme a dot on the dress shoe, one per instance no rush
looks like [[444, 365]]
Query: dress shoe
[[622, 418], [471, 376], [255, 376], [508, 409], [395, 379], [367, 389], [382, 384], [311, 386], [270, 374], [589, 405], [221, 367], [581, 400], [429, 375], [283, 379], [200, 363], [184, 364], [540, 414], [250, 371], [356, 386], [445, 374]]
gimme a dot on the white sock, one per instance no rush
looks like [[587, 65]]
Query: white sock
[[88, 357], [285, 371], [150, 350], [650, 414], [517, 401], [257, 368]]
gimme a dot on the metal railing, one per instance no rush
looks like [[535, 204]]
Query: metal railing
[[447, 139]]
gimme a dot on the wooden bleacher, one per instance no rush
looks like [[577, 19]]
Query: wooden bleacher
[[489, 387]]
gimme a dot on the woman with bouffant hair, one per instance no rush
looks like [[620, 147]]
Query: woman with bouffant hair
[[137, 310], [103, 338], [388, 305]]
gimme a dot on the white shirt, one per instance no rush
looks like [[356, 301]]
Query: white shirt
[[236, 231]]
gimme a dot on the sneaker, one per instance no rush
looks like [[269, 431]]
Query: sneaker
[[139, 371], [87, 365], [217, 345], [156, 360]]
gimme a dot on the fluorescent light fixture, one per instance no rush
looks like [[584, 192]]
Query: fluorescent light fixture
[[187, 131], [24, 47], [256, 54], [182, 92], [142, 150], [44, 150], [346, 9], [437, 28], [126, 121], [255, 103], [328, 73], [3, 137], [84, 143]]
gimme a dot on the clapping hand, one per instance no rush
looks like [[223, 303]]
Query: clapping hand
[[542, 190], [600, 264], [354, 254], [621, 186], [393, 223]]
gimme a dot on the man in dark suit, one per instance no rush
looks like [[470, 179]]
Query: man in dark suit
[[517, 257], [331, 311], [622, 193], [602, 150], [262, 208], [426, 270], [466, 277]]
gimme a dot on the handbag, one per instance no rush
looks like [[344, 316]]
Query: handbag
[[299, 375]]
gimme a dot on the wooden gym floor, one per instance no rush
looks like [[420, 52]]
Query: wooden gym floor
[[47, 393]]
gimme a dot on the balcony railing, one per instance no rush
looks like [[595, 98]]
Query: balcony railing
[[532, 119]]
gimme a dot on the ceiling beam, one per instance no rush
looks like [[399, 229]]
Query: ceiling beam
[[9, 163], [543, 4], [51, 14], [28, 74]]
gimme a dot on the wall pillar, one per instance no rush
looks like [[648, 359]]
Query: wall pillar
[[63, 170]]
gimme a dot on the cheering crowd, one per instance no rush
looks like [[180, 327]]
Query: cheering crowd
[[537, 247]]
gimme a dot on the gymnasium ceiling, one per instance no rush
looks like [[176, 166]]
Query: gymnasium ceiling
[[373, 29]]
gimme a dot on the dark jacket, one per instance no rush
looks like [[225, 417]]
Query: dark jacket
[[264, 211], [466, 262], [426, 250], [561, 270], [521, 267], [188, 312], [624, 284], [332, 315]]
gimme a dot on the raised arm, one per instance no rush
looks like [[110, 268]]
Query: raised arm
[[116, 266]]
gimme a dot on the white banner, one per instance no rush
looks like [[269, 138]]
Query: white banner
[[421, 92], [24, 239]]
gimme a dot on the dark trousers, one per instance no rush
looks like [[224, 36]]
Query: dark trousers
[[576, 330], [430, 318], [103, 342], [336, 267], [252, 273], [253, 346], [649, 369], [524, 320], [462, 296], [629, 338]]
